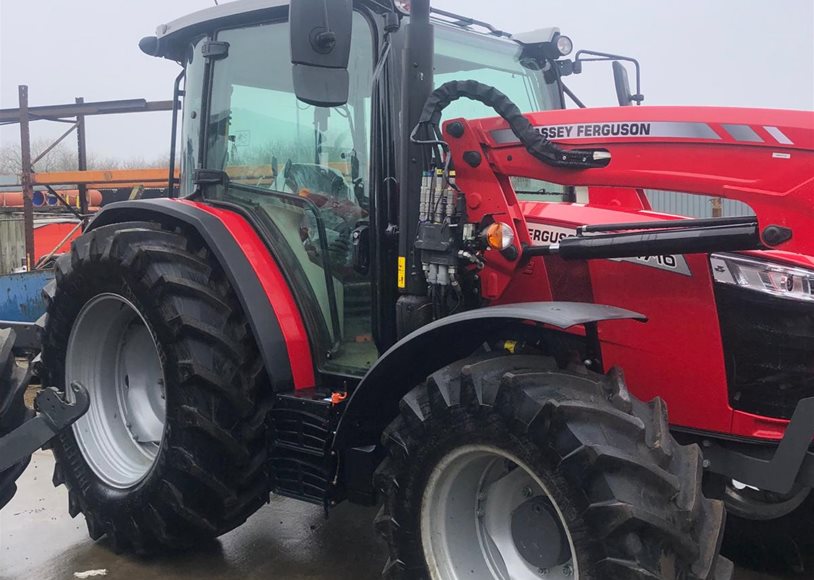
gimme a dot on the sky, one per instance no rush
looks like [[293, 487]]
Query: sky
[[745, 53]]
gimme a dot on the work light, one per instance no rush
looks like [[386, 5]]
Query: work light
[[564, 45], [403, 6]]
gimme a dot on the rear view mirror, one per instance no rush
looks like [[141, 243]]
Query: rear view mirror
[[320, 50], [622, 82]]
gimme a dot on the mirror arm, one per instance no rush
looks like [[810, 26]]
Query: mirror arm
[[606, 56]]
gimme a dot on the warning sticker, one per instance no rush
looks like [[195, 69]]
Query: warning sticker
[[402, 272]]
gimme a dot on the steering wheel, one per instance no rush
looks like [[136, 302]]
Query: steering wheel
[[315, 178]]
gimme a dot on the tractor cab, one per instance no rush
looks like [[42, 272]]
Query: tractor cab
[[321, 182]]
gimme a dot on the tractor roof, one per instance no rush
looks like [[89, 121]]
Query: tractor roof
[[171, 39], [240, 10]]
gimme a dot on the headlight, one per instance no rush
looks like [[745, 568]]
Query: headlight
[[767, 277]]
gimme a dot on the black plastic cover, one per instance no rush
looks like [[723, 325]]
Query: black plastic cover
[[321, 32]]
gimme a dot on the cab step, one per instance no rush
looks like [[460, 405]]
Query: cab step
[[301, 463]]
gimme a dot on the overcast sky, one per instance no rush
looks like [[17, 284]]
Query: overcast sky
[[746, 53]]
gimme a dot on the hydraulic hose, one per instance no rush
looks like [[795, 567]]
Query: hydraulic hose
[[539, 147]]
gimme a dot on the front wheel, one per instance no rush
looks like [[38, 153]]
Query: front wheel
[[509, 468]]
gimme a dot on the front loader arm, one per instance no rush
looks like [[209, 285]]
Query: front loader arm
[[762, 158]]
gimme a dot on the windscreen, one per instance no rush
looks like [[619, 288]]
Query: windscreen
[[464, 55]]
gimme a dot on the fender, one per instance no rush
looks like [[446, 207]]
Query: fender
[[375, 400], [253, 273]]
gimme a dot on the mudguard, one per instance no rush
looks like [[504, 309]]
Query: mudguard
[[375, 400], [256, 302]]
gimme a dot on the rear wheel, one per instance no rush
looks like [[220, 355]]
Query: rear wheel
[[13, 412], [509, 468], [172, 450]]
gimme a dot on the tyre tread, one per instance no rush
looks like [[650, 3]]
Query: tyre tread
[[602, 440], [221, 401]]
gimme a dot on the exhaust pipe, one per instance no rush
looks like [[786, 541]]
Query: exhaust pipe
[[416, 89]]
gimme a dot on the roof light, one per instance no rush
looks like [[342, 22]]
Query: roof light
[[499, 236], [564, 45]]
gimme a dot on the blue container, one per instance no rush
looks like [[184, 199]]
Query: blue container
[[21, 296]]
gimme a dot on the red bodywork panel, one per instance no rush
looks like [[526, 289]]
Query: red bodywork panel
[[760, 157], [277, 289], [48, 234]]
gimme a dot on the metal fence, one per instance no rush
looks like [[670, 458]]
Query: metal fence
[[697, 206]]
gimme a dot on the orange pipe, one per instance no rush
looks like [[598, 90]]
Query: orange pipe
[[72, 197], [15, 198], [11, 199]]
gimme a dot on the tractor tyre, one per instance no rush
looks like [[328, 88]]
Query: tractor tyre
[[13, 412], [173, 449], [770, 533], [509, 467]]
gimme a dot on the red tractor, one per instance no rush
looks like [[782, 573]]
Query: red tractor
[[350, 303], [729, 338]]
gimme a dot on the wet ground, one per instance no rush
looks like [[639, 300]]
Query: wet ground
[[286, 539]]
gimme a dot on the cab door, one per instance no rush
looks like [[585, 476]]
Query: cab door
[[300, 173]]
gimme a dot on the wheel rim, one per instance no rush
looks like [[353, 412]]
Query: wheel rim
[[113, 353], [485, 514]]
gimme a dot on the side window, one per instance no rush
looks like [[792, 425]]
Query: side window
[[191, 124], [261, 134], [528, 189], [302, 170], [696, 206]]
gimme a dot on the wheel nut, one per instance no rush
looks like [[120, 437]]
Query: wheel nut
[[527, 492], [567, 570]]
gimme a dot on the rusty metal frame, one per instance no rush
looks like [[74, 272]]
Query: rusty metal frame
[[82, 178], [26, 170]]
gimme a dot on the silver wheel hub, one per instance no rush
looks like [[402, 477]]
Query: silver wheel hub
[[113, 353], [486, 515]]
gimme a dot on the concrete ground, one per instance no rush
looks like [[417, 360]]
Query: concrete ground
[[286, 539]]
